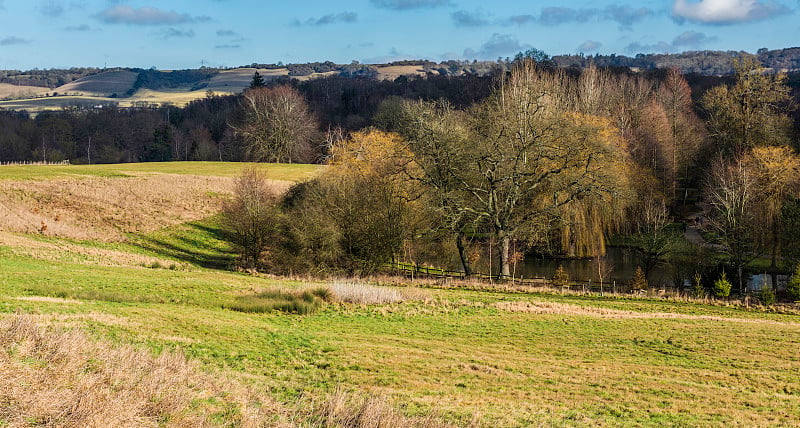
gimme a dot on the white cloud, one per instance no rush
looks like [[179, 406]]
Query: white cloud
[[589, 46], [726, 11], [142, 16], [498, 45]]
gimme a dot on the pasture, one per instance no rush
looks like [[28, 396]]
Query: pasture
[[465, 356]]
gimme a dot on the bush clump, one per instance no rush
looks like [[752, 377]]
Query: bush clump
[[294, 302], [793, 288], [767, 295]]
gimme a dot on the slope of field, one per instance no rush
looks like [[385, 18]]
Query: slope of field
[[102, 84], [104, 202], [237, 79], [392, 72], [453, 355], [8, 90]]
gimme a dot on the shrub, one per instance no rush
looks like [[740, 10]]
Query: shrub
[[722, 287], [793, 288], [294, 302], [698, 290], [251, 218], [767, 295]]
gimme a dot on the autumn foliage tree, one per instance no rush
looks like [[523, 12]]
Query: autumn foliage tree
[[776, 171], [357, 214], [520, 165]]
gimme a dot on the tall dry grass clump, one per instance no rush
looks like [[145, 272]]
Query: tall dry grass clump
[[352, 410], [64, 379], [356, 292]]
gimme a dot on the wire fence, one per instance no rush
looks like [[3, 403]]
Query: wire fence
[[14, 163], [416, 271]]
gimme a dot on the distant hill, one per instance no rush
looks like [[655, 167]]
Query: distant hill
[[36, 90], [101, 84]]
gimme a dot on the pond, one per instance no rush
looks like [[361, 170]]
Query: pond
[[622, 262]]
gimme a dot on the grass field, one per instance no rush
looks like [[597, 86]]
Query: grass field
[[286, 172], [468, 357]]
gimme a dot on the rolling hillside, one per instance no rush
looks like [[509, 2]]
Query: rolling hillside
[[103, 84], [109, 88]]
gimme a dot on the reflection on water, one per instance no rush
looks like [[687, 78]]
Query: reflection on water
[[623, 262]]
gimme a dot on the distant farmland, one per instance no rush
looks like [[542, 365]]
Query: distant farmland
[[110, 88]]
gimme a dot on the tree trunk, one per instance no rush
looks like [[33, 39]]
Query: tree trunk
[[741, 279], [505, 247], [462, 253], [775, 245]]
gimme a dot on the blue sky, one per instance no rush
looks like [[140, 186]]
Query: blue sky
[[171, 34]]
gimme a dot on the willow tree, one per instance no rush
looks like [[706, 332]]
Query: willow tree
[[530, 158]]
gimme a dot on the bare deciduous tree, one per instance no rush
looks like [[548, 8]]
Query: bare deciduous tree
[[276, 126], [251, 217], [732, 191]]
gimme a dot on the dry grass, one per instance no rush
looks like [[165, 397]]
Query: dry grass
[[64, 379], [8, 90], [106, 208], [25, 245], [61, 378], [364, 294], [392, 72], [352, 410], [555, 308]]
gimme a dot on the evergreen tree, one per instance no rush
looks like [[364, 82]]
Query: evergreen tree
[[639, 281], [560, 278], [258, 81], [722, 287]]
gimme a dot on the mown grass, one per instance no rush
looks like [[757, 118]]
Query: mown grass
[[287, 172]]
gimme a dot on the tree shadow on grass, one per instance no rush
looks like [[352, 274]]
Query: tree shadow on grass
[[200, 244]]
